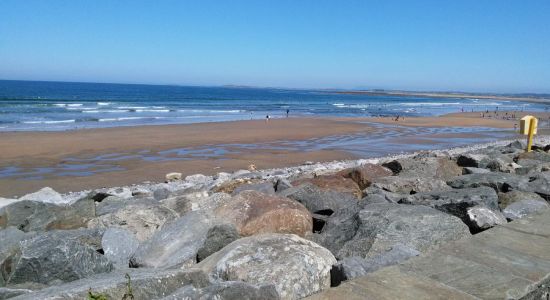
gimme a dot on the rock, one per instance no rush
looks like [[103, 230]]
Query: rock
[[252, 212], [118, 246], [500, 182], [195, 201], [520, 209], [282, 184], [539, 184], [473, 160], [263, 187], [352, 267], [6, 202], [176, 244], [534, 155], [505, 199], [335, 230], [229, 186], [518, 145], [474, 170], [365, 174], [174, 176], [83, 236], [317, 200], [481, 218], [161, 193], [382, 226], [46, 195], [458, 202], [121, 192], [29, 215], [112, 204], [409, 185], [335, 183], [146, 284], [500, 164], [218, 236], [198, 179], [427, 167], [141, 192], [225, 291], [46, 259], [141, 220], [6, 293], [10, 238], [297, 267]]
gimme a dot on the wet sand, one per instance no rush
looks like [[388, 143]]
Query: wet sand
[[40, 149]]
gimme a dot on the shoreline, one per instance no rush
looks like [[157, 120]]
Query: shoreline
[[280, 143]]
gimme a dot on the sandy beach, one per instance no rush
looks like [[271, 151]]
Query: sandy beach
[[52, 149]]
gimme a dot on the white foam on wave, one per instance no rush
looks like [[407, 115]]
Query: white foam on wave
[[81, 108], [153, 110], [49, 122], [211, 111], [103, 103], [339, 104], [127, 119], [132, 107], [106, 111]]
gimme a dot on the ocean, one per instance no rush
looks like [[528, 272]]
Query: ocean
[[43, 106]]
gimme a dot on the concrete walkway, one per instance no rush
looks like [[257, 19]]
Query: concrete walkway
[[505, 262]]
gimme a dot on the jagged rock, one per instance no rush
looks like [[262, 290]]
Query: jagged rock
[[121, 192], [474, 170], [228, 290], [352, 267], [297, 267], [161, 193], [84, 236], [112, 204], [141, 220], [429, 167], [218, 236], [473, 160], [6, 202], [502, 164], [263, 187], [29, 215], [146, 284], [195, 201], [376, 191], [374, 198], [333, 182], [365, 174], [229, 186], [118, 246], [481, 218], [282, 184], [534, 155], [500, 182], [539, 184], [458, 202], [382, 226], [505, 199], [409, 185], [520, 209], [531, 166], [317, 200], [141, 192], [10, 238], [252, 212], [333, 231], [46, 259], [7, 293], [174, 176], [176, 244], [46, 195]]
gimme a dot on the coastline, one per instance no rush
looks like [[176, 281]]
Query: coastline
[[241, 143]]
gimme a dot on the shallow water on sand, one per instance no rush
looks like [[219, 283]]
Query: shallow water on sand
[[383, 140]]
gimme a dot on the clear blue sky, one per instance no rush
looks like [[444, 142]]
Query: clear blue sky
[[476, 45]]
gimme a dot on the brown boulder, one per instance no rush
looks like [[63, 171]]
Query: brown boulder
[[253, 212], [333, 182], [364, 175]]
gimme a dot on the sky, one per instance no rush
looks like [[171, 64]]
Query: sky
[[466, 45]]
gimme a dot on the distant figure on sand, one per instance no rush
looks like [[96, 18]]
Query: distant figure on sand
[[287, 111], [266, 118]]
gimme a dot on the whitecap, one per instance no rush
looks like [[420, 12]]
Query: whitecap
[[49, 122], [103, 103]]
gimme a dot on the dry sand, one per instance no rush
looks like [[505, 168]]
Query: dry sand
[[31, 149]]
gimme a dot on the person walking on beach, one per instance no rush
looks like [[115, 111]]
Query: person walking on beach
[[287, 111], [267, 118]]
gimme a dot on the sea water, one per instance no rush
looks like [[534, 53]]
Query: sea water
[[38, 105]]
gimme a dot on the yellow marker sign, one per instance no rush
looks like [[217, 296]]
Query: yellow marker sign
[[528, 126]]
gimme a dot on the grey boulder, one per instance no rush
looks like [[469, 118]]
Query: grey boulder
[[262, 187], [500, 182], [520, 209], [318, 201], [409, 185], [118, 246], [228, 290], [176, 244], [481, 218], [297, 267], [218, 236]]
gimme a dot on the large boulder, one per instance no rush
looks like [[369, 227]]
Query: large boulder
[[140, 219], [317, 200], [365, 174], [458, 202], [534, 155], [218, 236], [45, 259], [28, 215], [46, 195], [540, 184], [252, 212], [176, 244], [333, 182], [473, 160], [500, 182], [409, 185], [226, 290], [9, 245], [297, 267], [505, 199], [480, 218], [118, 246], [183, 204], [145, 284], [262, 187], [426, 167], [384, 225], [352, 267], [520, 209]]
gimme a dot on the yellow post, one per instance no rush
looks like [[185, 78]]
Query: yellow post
[[532, 127]]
